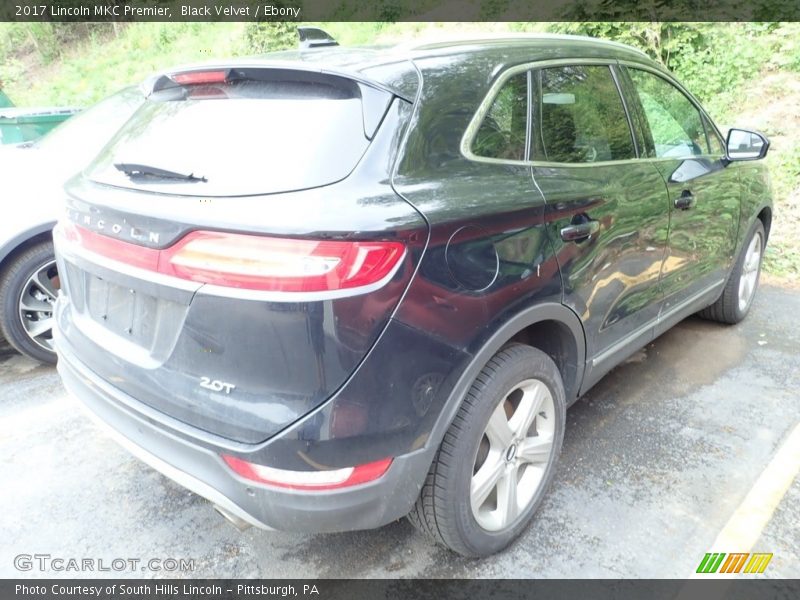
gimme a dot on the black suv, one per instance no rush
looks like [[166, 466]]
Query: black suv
[[329, 288]]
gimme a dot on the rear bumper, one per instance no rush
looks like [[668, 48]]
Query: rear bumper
[[201, 470]]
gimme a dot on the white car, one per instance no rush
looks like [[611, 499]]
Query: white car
[[31, 181]]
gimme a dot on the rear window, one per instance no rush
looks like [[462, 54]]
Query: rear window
[[87, 131], [252, 134]]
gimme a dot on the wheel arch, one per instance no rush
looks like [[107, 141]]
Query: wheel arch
[[765, 216], [550, 327]]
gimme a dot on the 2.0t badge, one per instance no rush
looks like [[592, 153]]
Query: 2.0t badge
[[215, 385]]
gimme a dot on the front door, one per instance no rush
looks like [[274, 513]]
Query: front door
[[703, 194], [607, 211]]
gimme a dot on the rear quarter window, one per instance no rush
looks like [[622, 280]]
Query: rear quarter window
[[502, 131]]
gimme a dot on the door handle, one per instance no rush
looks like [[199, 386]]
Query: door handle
[[685, 201], [579, 231]]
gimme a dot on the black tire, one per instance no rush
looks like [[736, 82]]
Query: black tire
[[727, 308], [443, 510], [16, 273]]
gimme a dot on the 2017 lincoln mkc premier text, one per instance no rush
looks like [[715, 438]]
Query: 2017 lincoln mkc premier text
[[329, 288]]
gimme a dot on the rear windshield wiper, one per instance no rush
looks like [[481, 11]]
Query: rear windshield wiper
[[138, 171]]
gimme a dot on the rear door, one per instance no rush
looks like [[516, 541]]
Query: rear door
[[703, 195], [607, 211]]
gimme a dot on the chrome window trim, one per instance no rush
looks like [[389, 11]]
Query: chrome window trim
[[483, 108], [529, 117], [486, 104]]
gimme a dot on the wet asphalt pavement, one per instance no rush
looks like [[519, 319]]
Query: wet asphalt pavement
[[657, 457]]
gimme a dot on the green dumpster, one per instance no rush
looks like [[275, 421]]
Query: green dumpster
[[5, 102], [25, 124]]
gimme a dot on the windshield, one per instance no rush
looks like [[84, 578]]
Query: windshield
[[241, 138], [87, 131]]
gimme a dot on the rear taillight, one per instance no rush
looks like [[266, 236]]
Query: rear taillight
[[308, 480], [254, 262], [137, 256], [280, 264]]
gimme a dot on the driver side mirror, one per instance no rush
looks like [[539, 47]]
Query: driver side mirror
[[745, 145]]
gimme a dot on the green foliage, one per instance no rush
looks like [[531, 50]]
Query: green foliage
[[785, 170], [391, 11], [47, 40], [723, 64], [96, 65], [386, 11], [270, 36], [491, 9], [358, 34], [782, 259], [713, 60]]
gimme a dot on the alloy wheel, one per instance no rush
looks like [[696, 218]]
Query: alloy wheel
[[36, 305], [750, 269], [513, 455]]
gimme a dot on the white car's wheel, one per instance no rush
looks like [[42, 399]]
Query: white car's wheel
[[28, 288]]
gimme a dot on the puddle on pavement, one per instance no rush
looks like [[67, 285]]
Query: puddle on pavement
[[699, 351]]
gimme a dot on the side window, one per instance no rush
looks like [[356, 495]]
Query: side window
[[675, 123], [502, 132], [579, 116]]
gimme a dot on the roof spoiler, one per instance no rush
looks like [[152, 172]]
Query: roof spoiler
[[211, 72], [314, 37]]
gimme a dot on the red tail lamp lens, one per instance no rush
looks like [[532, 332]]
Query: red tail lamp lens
[[255, 262], [308, 480], [291, 265]]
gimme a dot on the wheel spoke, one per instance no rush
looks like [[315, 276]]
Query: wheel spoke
[[45, 283], [37, 328], [536, 449], [498, 430], [528, 407], [507, 503], [33, 304], [485, 480], [752, 262]]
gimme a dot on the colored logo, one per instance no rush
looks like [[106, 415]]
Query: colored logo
[[743, 562]]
